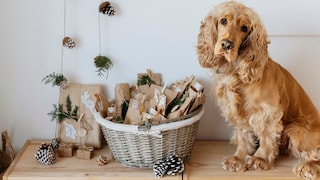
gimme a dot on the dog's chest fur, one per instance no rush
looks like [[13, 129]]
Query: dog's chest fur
[[241, 104]]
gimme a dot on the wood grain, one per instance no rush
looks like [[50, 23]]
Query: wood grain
[[25, 167], [206, 158]]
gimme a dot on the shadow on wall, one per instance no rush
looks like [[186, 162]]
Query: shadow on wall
[[212, 124]]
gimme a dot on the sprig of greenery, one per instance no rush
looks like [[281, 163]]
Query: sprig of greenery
[[102, 64], [59, 114], [145, 79], [55, 78]]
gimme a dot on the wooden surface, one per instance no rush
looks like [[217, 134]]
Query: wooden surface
[[205, 164], [25, 167], [206, 158]]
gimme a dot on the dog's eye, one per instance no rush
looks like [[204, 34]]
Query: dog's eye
[[223, 21], [244, 28]]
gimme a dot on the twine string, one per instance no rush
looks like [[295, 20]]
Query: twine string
[[62, 54], [99, 26], [64, 34]]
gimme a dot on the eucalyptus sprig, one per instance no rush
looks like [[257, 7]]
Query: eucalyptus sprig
[[102, 64]]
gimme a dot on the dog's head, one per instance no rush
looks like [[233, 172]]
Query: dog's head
[[232, 34]]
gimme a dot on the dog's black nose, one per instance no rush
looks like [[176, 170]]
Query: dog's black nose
[[226, 44]]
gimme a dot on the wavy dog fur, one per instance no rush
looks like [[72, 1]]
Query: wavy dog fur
[[269, 111]]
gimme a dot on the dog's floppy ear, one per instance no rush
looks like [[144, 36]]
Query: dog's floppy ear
[[207, 39], [254, 51]]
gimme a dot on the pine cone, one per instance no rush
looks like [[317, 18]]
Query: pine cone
[[106, 8], [172, 165], [45, 154], [160, 168], [102, 160], [55, 143], [175, 164], [68, 42]]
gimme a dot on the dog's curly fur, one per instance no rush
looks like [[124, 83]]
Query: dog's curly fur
[[269, 110]]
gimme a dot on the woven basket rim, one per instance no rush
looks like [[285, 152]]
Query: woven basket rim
[[154, 128]]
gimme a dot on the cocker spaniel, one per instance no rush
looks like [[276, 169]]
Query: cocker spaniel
[[269, 111]]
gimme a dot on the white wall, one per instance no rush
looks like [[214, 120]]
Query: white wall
[[160, 35]]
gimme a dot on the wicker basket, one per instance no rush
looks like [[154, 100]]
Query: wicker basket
[[134, 147]]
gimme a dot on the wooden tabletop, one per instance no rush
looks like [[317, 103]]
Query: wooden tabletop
[[205, 164], [206, 158], [25, 167]]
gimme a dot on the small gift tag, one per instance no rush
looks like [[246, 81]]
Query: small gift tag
[[111, 112]]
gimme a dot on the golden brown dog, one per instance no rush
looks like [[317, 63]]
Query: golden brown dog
[[269, 110]]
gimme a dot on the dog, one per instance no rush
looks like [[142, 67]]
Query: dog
[[269, 111]]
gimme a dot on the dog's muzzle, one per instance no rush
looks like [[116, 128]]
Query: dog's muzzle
[[226, 44]]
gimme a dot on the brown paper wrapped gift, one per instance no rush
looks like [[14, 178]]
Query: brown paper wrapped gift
[[134, 113], [122, 94], [155, 77], [87, 131], [85, 152], [65, 150]]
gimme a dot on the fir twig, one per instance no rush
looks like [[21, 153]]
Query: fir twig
[[59, 114], [102, 64], [55, 78], [145, 79]]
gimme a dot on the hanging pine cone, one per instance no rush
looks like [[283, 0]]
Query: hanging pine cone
[[45, 154], [68, 42], [172, 165], [102, 160], [106, 8]]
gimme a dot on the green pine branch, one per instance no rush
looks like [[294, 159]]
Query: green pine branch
[[145, 79], [102, 64], [55, 78], [59, 114]]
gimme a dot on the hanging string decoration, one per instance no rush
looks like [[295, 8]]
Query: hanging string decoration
[[106, 8], [57, 79], [103, 63], [68, 42]]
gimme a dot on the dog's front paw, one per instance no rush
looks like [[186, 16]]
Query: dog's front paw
[[233, 164], [306, 171], [256, 163]]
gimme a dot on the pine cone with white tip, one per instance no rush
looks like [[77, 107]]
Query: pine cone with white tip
[[45, 154], [55, 143], [106, 8], [68, 42], [175, 164], [160, 168], [172, 165]]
